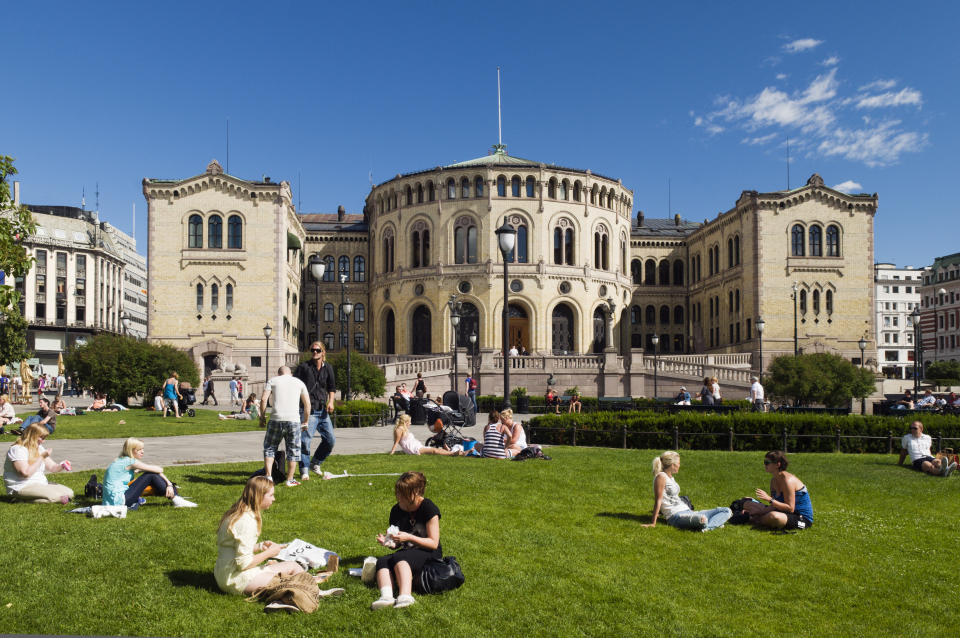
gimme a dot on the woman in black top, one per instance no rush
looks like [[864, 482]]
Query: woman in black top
[[420, 387], [416, 539]]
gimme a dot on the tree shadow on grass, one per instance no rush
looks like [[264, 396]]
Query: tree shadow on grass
[[196, 579], [216, 480], [627, 516]]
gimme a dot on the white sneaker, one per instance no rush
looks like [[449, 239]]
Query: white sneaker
[[179, 501], [950, 469], [305, 476], [317, 469], [382, 603], [369, 572], [404, 601]]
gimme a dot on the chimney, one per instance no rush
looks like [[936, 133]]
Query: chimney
[[341, 213], [676, 219], [639, 218], [16, 194]]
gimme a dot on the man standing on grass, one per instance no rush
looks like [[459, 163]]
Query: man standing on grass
[[917, 445], [319, 378], [285, 422], [756, 395]]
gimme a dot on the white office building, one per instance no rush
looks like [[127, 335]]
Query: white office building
[[897, 294]]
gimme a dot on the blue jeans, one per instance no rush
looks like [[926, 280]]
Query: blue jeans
[[30, 420], [473, 397], [319, 423], [691, 520]]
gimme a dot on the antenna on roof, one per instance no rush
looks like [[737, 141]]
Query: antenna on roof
[[98, 196], [228, 147], [788, 163], [83, 198], [298, 191], [499, 119]]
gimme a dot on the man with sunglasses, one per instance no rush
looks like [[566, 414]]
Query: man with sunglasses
[[319, 378], [917, 445]]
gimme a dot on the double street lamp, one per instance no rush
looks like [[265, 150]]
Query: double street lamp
[[267, 331], [473, 354], [760, 325], [863, 346], [655, 340], [506, 239], [796, 348]]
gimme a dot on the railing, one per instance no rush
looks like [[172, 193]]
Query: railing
[[411, 368], [737, 360], [383, 359], [550, 362], [697, 370]]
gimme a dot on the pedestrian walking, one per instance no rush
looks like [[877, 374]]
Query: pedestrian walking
[[209, 391], [286, 421], [319, 378], [234, 396]]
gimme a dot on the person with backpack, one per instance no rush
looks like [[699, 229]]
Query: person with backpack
[[414, 533], [471, 384]]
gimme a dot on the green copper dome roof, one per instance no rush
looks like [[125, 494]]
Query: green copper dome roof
[[498, 157]]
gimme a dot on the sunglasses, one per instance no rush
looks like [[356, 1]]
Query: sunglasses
[[315, 350], [913, 427], [768, 462]]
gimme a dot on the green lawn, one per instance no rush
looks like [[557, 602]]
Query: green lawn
[[548, 548], [142, 423]]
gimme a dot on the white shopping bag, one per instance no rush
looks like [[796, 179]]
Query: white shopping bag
[[307, 555]]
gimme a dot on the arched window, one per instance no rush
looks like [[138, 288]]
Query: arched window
[[664, 269], [636, 271], [329, 272], [678, 315], [328, 312], [530, 186], [431, 194], [501, 186], [568, 246], [736, 301], [564, 190], [650, 315], [420, 245], [344, 267], [678, 272], [465, 241], [833, 241], [650, 273], [716, 259], [593, 194], [803, 302], [478, 187], [577, 191], [359, 313], [329, 340], [359, 268], [635, 315], [816, 241], [419, 193], [829, 296], [601, 249], [730, 252], [552, 188], [199, 297], [563, 243], [515, 186], [465, 187], [664, 315], [796, 241], [195, 232], [816, 302], [409, 195], [522, 244], [710, 261], [736, 250], [387, 252], [451, 189], [229, 297], [214, 297], [215, 232], [234, 232], [557, 245], [605, 251], [730, 301]]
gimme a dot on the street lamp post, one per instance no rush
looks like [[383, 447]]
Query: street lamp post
[[506, 238], [760, 325], [346, 307], [267, 330], [454, 322], [317, 268], [863, 346], [655, 340], [796, 347], [936, 323], [915, 315], [473, 355]]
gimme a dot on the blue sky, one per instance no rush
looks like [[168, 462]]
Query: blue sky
[[699, 95]]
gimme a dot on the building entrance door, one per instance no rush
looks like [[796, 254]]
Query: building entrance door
[[518, 328]]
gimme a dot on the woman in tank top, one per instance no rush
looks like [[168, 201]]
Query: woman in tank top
[[667, 501], [790, 506], [494, 438]]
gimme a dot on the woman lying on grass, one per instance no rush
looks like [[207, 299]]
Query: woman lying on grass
[[250, 412], [666, 500], [417, 537], [120, 487], [26, 465], [408, 444], [790, 506]]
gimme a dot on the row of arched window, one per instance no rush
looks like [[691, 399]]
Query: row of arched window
[[649, 315], [466, 188], [214, 297], [359, 313], [214, 231], [801, 238], [815, 297], [334, 269], [649, 273]]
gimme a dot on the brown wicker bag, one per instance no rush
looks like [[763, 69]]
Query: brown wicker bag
[[299, 589]]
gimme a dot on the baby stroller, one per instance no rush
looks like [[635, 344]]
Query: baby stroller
[[448, 433], [188, 396]]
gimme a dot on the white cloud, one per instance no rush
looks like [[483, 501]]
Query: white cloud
[[756, 141], [879, 85], [831, 61], [849, 186], [874, 146], [782, 76], [803, 44], [905, 96]]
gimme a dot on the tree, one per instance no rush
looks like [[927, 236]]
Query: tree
[[16, 223], [827, 379], [123, 367], [944, 373], [365, 377]]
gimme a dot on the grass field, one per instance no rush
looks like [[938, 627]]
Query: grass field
[[548, 548], [141, 423]]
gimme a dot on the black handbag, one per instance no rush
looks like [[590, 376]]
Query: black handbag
[[440, 575]]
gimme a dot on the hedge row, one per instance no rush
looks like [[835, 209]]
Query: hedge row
[[361, 414], [538, 403], [752, 431]]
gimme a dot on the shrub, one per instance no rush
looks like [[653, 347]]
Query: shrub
[[822, 378], [365, 377], [361, 414]]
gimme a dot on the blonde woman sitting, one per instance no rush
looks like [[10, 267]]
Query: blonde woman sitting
[[7, 415], [517, 437], [26, 465], [121, 488], [667, 501], [408, 444]]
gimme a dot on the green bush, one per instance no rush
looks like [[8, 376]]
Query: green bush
[[538, 403], [365, 377], [361, 414], [754, 431]]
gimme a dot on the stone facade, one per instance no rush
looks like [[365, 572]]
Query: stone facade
[[225, 259]]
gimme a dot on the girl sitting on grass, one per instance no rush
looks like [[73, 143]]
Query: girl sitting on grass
[[408, 444], [26, 465], [790, 506], [495, 436], [516, 436], [251, 410], [416, 542], [666, 500], [120, 487]]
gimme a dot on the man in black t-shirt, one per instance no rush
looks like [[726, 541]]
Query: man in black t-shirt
[[319, 378]]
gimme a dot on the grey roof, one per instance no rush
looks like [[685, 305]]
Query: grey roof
[[653, 227], [329, 222]]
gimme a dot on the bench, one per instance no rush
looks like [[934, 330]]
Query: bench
[[615, 404]]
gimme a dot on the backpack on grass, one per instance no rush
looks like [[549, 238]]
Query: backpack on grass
[[440, 575], [279, 472]]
